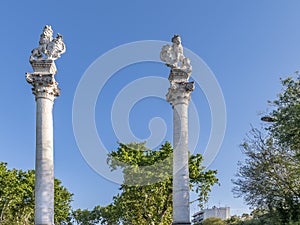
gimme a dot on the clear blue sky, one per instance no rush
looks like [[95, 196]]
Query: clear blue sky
[[248, 45]]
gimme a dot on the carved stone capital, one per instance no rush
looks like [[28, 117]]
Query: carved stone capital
[[42, 79], [180, 93], [180, 88], [43, 86]]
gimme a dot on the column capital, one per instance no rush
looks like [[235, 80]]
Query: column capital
[[42, 79], [180, 93], [180, 88]]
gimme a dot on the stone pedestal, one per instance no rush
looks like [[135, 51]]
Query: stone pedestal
[[45, 89], [179, 97]]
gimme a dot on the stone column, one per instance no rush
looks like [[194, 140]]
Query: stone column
[[179, 97], [45, 90]]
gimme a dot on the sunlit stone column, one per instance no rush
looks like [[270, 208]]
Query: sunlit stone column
[[45, 89], [179, 97]]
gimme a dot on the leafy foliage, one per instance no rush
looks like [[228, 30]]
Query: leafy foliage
[[286, 126], [269, 178], [257, 217], [62, 204], [86, 217], [17, 198], [213, 221], [146, 194]]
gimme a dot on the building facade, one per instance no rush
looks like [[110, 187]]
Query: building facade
[[218, 212]]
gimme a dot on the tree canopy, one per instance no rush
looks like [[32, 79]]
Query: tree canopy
[[213, 221], [17, 198], [145, 197], [268, 179], [146, 193]]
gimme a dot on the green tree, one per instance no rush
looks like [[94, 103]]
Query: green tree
[[213, 221], [86, 217], [268, 179], [233, 220], [286, 115], [146, 194], [17, 198], [62, 204]]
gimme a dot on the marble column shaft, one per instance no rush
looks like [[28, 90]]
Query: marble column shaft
[[44, 176], [181, 209], [179, 97], [45, 90]]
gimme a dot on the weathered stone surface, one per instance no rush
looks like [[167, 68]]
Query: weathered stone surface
[[45, 89], [49, 47], [173, 56], [43, 66], [179, 95], [44, 166]]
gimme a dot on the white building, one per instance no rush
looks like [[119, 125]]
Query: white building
[[221, 212]]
